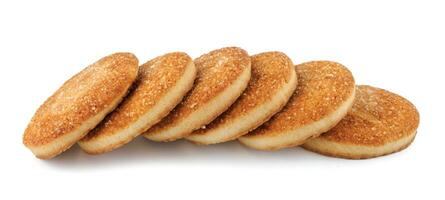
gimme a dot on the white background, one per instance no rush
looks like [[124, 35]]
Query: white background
[[396, 45]]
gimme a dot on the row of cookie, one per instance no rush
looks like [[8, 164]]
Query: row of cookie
[[263, 100]]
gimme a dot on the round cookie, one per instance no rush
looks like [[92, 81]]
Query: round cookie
[[379, 123], [324, 94], [160, 86], [272, 83], [222, 76], [80, 104]]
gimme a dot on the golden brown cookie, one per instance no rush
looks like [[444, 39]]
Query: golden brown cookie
[[272, 83], [379, 123], [324, 94], [222, 76], [80, 104], [160, 86]]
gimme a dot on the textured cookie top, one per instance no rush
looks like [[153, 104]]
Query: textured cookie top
[[322, 87], [270, 72], [155, 79], [217, 70], [377, 117], [81, 97]]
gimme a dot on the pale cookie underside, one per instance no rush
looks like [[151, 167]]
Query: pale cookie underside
[[354, 151]]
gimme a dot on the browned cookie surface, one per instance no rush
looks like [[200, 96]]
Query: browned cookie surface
[[272, 82], [161, 84], [379, 123], [92, 91], [324, 93], [218, 71]]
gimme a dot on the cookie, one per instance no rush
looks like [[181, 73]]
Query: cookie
[[273, 81], [379, 123], [324, 94], [160, 86], [222, 76], [80, 104]]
